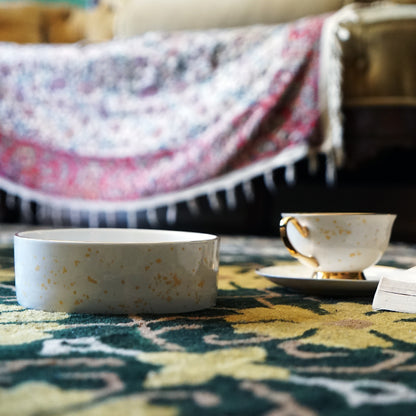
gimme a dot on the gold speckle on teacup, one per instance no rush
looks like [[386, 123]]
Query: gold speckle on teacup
[[76, 262], [176, 280], [37, 268], [91, 280], [64, 270]]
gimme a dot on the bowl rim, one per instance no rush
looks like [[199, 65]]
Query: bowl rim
[[35, 235]]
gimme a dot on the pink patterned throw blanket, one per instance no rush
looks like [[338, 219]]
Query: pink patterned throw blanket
[[158, 119]]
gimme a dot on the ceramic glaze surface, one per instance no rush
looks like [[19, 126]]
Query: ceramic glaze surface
[[341, 242], [116, 271]]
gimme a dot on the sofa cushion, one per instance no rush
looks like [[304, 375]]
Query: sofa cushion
[[133, 17]]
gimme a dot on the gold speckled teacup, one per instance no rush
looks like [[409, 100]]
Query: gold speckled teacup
[[337, 245]]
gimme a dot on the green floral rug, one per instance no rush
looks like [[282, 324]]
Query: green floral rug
[[263, 350]]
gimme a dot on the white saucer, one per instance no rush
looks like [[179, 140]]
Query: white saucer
[[295, 277]]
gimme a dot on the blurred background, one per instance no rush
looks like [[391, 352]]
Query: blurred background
[[377, 113]]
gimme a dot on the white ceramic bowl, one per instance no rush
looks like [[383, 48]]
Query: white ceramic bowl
[[116, 271]]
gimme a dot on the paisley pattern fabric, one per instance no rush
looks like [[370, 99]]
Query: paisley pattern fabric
[[130, 119], [262, 350]]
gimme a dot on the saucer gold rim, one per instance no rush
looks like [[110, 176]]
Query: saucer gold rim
[[339, 275]]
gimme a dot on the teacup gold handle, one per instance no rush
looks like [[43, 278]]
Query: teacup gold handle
[[304, 232]]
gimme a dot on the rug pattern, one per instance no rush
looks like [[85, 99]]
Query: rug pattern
[[262, 350]]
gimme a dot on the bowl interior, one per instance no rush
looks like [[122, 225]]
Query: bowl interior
[[114, 236]]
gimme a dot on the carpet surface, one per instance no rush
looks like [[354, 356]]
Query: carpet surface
[[262, 350]]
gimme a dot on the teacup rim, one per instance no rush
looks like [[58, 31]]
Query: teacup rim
[[286, 214]]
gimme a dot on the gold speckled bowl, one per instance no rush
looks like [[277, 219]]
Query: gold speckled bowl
[[116, 271]]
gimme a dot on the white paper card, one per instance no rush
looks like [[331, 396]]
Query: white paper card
[[397, 292]]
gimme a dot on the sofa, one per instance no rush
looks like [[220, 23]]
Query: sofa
[[354, 154]]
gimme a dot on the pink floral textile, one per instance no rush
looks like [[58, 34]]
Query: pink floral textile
[[136, 118]]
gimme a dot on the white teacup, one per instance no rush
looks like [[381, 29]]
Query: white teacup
[[337, 245]]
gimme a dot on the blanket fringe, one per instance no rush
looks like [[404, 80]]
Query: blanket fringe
[[10, 201], [330, 81], [152, 219], [269, 182], [193, 207], [171, 214], [290, 175], [220, 194], [231, 199], [214, 202], [132, 219]]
